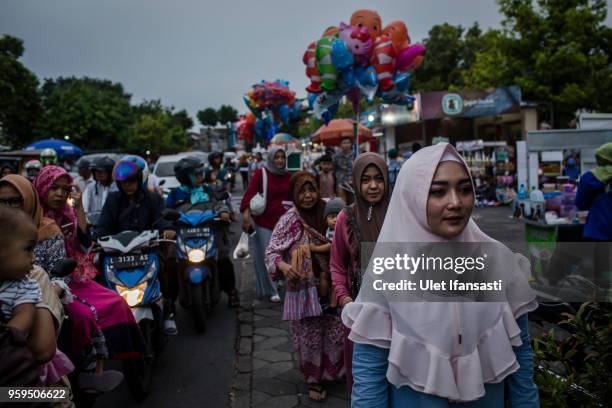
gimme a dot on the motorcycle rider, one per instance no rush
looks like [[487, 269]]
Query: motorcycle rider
[[48, 157], [189, 171], [134, 208], [215, 164], [84, 178], [95, 193], [32, 168]]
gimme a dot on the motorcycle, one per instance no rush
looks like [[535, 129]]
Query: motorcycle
[[196, 249], [130, 266]]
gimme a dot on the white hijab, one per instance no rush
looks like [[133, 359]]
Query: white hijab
[[447, 349]]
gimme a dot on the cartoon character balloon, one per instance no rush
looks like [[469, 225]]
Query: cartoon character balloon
[[361, 59], [368, 19]]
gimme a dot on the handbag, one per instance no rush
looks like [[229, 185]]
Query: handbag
[[257, 205]]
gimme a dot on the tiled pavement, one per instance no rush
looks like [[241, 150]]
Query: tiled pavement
[[265, 370]]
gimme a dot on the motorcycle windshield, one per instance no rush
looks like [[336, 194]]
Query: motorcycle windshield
[[195, 218]]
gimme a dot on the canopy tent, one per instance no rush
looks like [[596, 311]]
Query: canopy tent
[[338, 129], [64, 149]]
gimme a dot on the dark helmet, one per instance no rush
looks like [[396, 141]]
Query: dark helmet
[[103, 163], [213, 156], [185, 168]]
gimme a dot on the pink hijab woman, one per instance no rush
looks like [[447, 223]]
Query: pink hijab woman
[[103, 325], [441, 353]]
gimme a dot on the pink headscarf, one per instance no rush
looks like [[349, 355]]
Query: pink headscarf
[[447, 349], [66, 219]]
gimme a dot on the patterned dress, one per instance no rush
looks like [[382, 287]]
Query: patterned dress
[[318, 339]]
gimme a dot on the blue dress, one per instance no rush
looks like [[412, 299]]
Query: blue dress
[[372, 390]]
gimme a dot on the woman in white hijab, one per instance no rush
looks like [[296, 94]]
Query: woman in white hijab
[[449, 353]]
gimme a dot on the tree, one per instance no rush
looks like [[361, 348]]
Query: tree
[[157, 132], [208, 117], [227, 114], [450, 51], [558, 52], [20, 107], [183, 119], [95, 113]]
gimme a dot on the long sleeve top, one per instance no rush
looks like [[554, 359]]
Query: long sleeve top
[[277, 192], [341, 258], [592, 196], [372, 390]]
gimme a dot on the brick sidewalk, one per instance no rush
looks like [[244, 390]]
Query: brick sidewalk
[[265, 372]]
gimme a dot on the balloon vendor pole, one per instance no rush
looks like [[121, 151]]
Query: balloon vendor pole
[[356, 131]]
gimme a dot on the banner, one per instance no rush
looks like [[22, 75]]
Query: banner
[[470, 104]]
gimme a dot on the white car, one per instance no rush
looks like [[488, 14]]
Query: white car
[[164, 168]]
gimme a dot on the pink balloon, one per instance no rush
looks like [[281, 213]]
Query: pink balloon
[[406, 58]]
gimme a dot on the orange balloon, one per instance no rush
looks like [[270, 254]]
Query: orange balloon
[[251, 118], [369, 19], [398, 32]]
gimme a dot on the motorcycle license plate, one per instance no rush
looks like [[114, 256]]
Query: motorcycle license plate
[[129, 261], [197, 232]]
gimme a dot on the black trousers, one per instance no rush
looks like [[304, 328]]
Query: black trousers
[[227, 276]]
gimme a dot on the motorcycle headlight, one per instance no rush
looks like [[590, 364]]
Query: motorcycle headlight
[[132, 296], [196, 256]]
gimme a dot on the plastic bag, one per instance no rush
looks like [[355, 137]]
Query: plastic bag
[[242, 249]]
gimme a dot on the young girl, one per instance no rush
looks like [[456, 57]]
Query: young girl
[[327, 293], [441, 354]]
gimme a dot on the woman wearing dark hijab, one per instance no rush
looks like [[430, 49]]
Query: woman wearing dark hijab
[[360, 222], [276, 191], [294, 251]]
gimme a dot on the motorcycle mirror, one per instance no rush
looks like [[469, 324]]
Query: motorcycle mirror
[[162, 182], [64, 268], [171, 215]]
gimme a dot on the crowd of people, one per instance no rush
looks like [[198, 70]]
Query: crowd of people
[[308, 241], [49, 217], [306, 232]]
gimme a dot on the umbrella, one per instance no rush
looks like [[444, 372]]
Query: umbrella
[[284, 139], [63, 149], [338, 129]]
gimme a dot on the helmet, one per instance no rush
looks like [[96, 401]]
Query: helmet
[[103, 163], [213, 156], [83, 164], [48, 157], [185, 168], [131, 167], [33, 165], [32, 168]]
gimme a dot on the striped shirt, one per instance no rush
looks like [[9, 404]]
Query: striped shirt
[[18, 292]]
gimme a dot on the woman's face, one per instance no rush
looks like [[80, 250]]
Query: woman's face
[[450, 200], [59, 193], [307, 197], [10, 197], [280, 159], [372, 185]]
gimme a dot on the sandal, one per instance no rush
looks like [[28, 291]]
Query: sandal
[[316, 393]]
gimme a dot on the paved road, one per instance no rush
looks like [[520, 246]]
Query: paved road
[[195, 370]]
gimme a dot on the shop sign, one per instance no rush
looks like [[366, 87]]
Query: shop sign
[[470, 104]]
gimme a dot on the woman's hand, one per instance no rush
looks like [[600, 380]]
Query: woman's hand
[[288, 270], [322, 249], [346, 300], [169, 234], [224, 216], [246, 221]]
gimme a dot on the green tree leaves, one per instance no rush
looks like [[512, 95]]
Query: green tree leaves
[[20, 106]]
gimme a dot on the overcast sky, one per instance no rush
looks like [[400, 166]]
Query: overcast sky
[[198, 53]]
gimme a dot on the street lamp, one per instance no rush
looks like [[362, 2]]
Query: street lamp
[[371, 117], [66, 137]]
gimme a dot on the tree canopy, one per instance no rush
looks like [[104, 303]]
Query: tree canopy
[[20, 107]]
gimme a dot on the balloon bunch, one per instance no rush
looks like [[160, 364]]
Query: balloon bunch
[[361, 59], [245, 128], [273, 104]]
